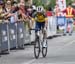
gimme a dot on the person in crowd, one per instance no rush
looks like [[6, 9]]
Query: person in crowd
[[22, 10], [9, 10], [25, 13], [15, 10], [56, 10], [1, 11], [33, 9], [60, 13], [69, 19], [56, 14], [29, 12], [49, 12]]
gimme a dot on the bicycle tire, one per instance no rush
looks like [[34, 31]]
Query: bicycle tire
[[44, 50], [37, 46]]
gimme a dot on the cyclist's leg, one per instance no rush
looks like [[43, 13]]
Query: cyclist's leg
[[37, 27], [44, 33], [43, 29]]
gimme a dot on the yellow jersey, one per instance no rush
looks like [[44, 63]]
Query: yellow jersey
[[39, 17]]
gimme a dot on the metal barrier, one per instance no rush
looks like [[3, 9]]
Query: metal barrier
[[4, 31], [0, 37], [27, 34], [61, 22], [32, 35], [12, 35], [51, 28], [20, 34]]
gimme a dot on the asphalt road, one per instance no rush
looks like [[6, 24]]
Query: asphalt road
[[61, 50]]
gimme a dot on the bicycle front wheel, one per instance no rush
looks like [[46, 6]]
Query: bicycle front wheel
[[37, 49]]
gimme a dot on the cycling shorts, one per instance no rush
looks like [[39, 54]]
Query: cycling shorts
[[39, 25]]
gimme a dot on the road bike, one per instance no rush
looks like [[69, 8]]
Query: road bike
[[40, 44]]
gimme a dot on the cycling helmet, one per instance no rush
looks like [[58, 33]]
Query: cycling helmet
[[40, 9]]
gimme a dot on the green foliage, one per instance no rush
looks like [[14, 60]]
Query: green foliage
[[52, 3], [68, 1], [39, 2]]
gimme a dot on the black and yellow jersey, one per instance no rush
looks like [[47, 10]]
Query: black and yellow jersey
[[39, 17]]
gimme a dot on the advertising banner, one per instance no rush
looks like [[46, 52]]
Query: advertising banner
[[61, 4]]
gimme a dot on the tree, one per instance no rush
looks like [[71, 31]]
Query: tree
[[68, 1], [52, 3]]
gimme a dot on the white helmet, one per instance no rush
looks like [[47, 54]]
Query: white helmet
[[40, 9]]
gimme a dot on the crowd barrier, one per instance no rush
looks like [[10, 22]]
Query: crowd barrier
[[27, 33], [61, 22], [52, 26], [0, 39], [13, 35], [20, 34], [4, 37], [32, 36]]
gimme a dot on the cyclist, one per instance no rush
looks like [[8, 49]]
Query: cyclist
[[41, 20]]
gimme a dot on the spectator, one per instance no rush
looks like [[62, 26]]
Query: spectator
[[1, 11], [15, 10], [60, 13], [29, 12], [56, 10], [49, 12], [33, 8], [22, 10], [9, 11], [69, 19]]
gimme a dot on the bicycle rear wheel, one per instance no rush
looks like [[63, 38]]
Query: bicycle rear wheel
[[44, 48], [37, 49]]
